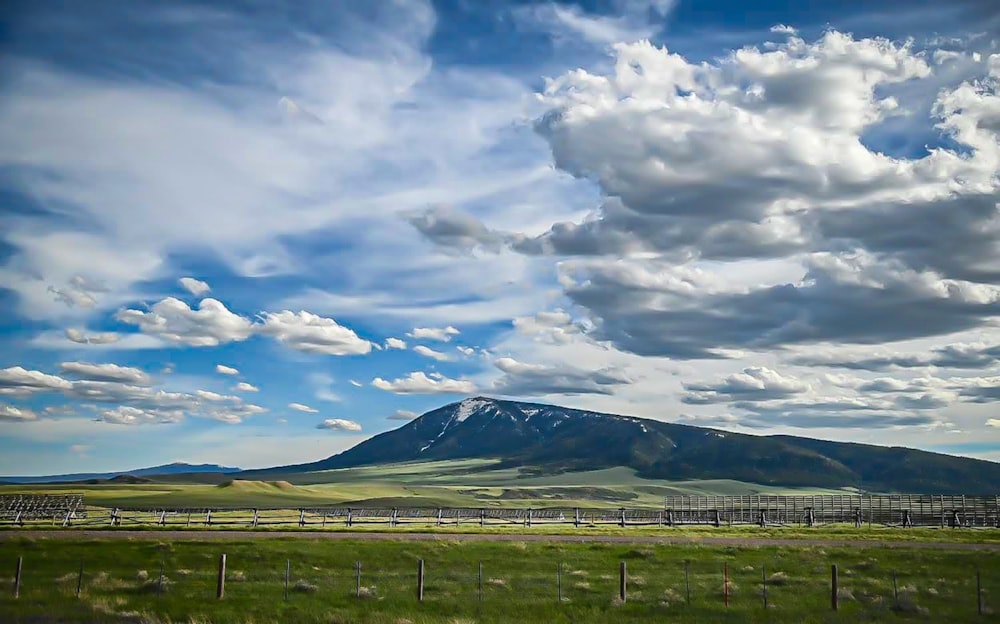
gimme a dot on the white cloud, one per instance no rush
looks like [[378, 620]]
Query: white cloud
[[126, 415], [395, 343], [245, 387], [406, 415], [522, 379], [419, 383], [299, 407], [339, 424], [313, 334], [356, 384], [13, 413], [993, 422], [784, 29], [222, 369], [18, 381], [107, 372], [466, 351], [171, 319], [431, 353], [81, 337], [755, 383], [194, 286], [568, 23], [443, 334]]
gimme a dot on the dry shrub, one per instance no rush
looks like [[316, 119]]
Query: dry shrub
[[583, 585], [236, 576], [142, 575], [778, 579], [497, 582]]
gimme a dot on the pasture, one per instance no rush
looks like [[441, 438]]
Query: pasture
[[455, 483], [529, 581]]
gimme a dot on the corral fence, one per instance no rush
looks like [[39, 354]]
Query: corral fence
[[903, 510], [777, 511]]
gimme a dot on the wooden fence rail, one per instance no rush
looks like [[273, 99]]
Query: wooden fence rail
[[884, 510]]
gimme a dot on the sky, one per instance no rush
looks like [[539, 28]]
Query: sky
[[258, 233]]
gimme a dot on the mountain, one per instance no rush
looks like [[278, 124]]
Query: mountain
[[561, 439], [166, 469]]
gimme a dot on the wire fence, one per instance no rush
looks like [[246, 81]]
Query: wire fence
[[861, 585]]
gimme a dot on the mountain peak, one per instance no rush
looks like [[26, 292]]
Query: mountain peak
[[557, 438]]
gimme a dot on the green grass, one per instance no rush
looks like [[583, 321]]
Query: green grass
[[120, 582], [456, 483]]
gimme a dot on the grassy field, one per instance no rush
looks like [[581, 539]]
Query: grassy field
[[521, 582], [458, 483]]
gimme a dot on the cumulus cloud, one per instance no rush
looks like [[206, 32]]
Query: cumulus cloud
[[784, 29], [339, 424], [222, 369], [420, 383], [155, 405], [452, 229], [107, 372], [311, 333], [431, 353], [299, 407], [395, 343], [443, 334], [194, 286], [647, 309], [126, 415], [171, 319], [555, 327], [993, 422], [964, 355], [406, 415], [245, 387], [78, 292], [13, 413], [81, 337], [522, 379], [755, 383]]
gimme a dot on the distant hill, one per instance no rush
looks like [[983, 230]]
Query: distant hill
[[120, 477], [563, 439]]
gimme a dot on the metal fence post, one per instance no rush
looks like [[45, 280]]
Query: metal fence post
[[763, 578], [480, 581], [79, 580], [288, 573]]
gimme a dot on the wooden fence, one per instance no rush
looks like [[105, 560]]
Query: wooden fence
[[881, 510], [887, 510]]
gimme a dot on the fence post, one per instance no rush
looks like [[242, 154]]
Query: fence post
[[559, 581], [17, 578], [288, 573], [358, 579], [979, 594], [687, 581], [895, 590], [420, 580], [763, 578], [622, 581], [220, 590], [480, 581], [159, 581], [79, 580], [834, 603], [725, 583]]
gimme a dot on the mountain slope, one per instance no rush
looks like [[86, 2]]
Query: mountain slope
[[559, 438], [166, 469]]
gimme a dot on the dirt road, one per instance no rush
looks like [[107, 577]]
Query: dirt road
[[223, 536]]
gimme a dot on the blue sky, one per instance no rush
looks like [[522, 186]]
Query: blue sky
[[252, 234]]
